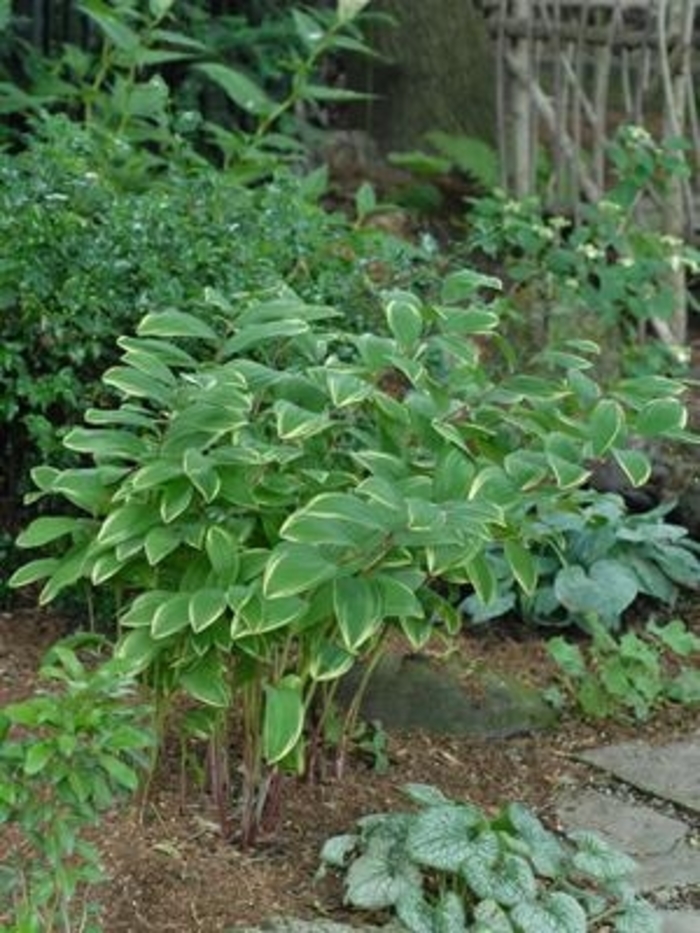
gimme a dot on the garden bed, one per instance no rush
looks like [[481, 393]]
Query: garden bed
[[170, 870]]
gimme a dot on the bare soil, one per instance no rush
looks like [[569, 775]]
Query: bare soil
[[170, 870]]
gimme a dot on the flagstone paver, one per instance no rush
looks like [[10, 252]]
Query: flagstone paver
[[669, 771], [660, 845]]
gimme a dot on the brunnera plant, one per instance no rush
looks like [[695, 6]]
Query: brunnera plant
[[447, 866], [274, 494]]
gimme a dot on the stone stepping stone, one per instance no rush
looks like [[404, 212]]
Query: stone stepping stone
[[409, 693], [671, 771], [680, 921], [659, 844]]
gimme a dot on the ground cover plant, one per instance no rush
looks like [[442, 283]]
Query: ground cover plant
[[445, 865]]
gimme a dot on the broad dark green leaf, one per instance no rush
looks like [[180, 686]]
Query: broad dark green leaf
[[172, 323], [48, 528]]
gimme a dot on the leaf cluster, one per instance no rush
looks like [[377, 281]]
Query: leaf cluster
[[611, 270], [66, 754], [593, 564], [446, 866], [634, 673]]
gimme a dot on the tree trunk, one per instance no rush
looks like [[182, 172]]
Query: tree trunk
[[437, 73]]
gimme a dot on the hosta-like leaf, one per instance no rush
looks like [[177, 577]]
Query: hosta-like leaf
[[604, 425], [48, 528], [660, 416], [33, 571], [545, 850], [553, 913], [295, 568], [634, 464], [346, 389], [295, 423], [205, 607], [159, 542], [329, 662], [171, 616], [222, 548], [606, 590], [405, 318], [283, 720], [207, 680], [359, 610], [440, 836], [141, 611], [173, 323], [522, 563]]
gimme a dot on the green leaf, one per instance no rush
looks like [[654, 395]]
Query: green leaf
[[124, 523], [205, 607], [606, 590], [508, 882], [482, 577], [569, 475], [38, 755], [568, 656], [676, 637], [202, 474], [329, 662], [239, 88], [358, 607], [172, 323], [464, 284], [33, 571], [605, 424], [171, 616], [346, 389], [295, 568], [405, 318], [661, 416], [222, 549], [45, 529], [522, 564], [440, 836], [207, 680], [309, 30], [399, 601], [113, 27], [554, 912], [296, 423], [159, 543], [634, 464], [379, 878], [120, 445], [365, 200], [283, 721], [599, 860]]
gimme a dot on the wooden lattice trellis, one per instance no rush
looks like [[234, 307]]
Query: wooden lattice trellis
[[571, 71]]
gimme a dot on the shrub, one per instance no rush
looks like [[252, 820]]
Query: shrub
[[275, 493], [609, 270], [447, 866], [66, 755]]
